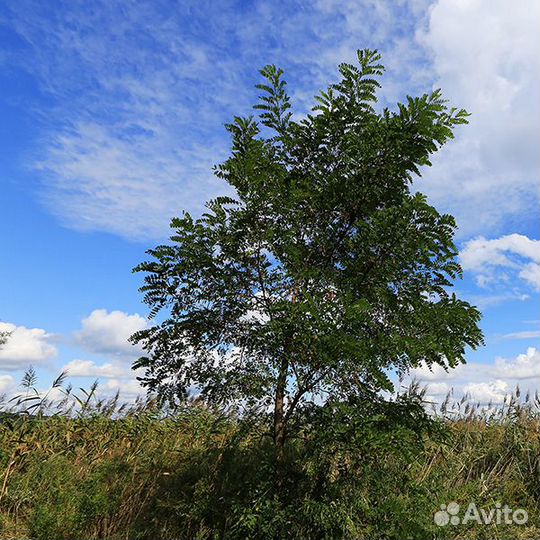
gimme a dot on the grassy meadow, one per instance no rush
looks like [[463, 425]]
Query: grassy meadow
[[80, 468]]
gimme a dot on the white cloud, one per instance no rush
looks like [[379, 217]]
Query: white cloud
[[132, 185], [486, 301], [525, 334], [479, 252], [524, 366], [486, 392], [129, 389], [531, 274], [25, 346], [438, 388], [88, 368], [484, 382], [435, 373], [138, 98], [486, 56], [136, 113], [514, 252], [7, 383], [108, 332]]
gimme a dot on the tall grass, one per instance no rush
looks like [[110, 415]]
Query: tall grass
[[80, 467]]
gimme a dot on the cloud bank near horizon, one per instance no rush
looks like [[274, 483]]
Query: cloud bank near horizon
[[106, 333]]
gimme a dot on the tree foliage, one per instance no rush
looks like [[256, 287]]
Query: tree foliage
[[324, 273]]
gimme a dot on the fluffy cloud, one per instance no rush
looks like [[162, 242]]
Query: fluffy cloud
[[112, 378], [88, 368], [438, 388], [484, 382], [524, 366], [7, 383], [25, 346], [129, 388], [492, 259], [485, 56], [488, 392], [108, 332]]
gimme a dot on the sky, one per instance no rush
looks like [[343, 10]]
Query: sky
[[112, 116]]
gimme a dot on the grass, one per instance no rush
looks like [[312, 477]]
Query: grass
[[80, 468]]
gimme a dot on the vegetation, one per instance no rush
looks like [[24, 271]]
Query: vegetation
[[84, 468], [323, 274], [280, 317]]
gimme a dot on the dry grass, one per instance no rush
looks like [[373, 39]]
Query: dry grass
[[84, 468]]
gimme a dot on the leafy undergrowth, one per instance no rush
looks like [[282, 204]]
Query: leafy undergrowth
[[373, 472]]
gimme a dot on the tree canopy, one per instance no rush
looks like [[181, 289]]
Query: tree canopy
[[323, 273]]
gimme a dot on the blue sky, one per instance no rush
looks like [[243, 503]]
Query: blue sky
[[112, 117]]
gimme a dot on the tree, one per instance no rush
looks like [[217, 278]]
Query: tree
[[324, 273]]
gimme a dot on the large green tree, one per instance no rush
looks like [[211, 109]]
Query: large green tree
[[323, 273]]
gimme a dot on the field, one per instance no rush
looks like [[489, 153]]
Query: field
[[105, 471]]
